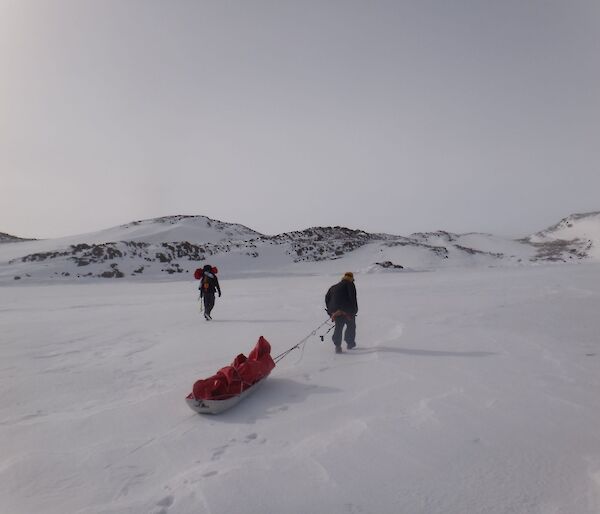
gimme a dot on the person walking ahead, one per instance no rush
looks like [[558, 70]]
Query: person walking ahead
[[208, 286], [342, 307]]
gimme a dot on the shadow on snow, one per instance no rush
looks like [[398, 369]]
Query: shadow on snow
[[274, 396], [410, 351], [255, 320]]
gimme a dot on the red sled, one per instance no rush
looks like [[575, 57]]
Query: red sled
[[232, 383], [199, 272]]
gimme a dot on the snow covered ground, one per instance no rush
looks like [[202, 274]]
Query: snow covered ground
[[472, 391]]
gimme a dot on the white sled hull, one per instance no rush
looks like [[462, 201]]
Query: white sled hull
[[218, 406]]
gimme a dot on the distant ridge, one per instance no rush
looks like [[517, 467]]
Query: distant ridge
[[575, 237], [173, 246], [209, 222], [7, 238], [570, 226]]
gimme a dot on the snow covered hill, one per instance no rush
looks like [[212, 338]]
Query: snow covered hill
[[172, 228], [135, 247], [574, 237], [7, 238], [173, 246]]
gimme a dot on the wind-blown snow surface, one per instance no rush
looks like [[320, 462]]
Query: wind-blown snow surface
[[471, 391]]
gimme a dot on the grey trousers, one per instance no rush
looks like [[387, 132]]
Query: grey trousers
[[350, 333]]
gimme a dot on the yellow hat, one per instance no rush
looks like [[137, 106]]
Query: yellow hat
[[348, 276]]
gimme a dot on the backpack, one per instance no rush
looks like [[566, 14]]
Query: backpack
[[328, 307], [199, 272]]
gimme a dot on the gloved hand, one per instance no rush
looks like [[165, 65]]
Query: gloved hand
[[219, 294]]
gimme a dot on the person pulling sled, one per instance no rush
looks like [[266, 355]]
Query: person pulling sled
[[342, 307], [209, 285]]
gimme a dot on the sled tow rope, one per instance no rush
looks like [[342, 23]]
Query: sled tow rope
[[301, 342]]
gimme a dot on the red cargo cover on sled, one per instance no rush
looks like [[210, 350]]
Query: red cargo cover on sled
[[242, 374]]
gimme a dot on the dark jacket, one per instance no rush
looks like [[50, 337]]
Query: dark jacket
[[209, 284], [342, 297]]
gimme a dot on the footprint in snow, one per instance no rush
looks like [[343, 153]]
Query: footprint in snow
[[167, 501], [218, 452]]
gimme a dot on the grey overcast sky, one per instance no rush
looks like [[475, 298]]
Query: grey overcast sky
[[395, 116]]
